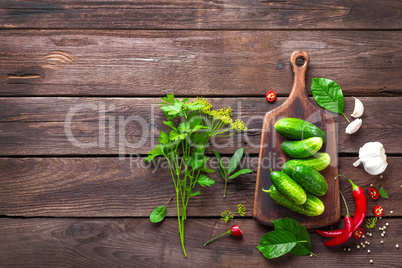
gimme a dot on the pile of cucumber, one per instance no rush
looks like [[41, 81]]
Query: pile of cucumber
[[299, 183]]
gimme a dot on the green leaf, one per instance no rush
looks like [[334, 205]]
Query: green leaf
[[276, 243], [222, 167], [158, 214], [197, 127], [328, 94], [298, 231], [203, 180], [153, 153], [206, 169], [184, 100], [196, 160], [172, 109], [170, 124], [184, 127], [194, 106], [235, 160], [241, 171], [383, 193], [163, 138], [169, 98], [173, 135]]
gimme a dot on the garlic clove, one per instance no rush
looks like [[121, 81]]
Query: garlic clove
[[371, 149], [359, 108], [373, 157], [354, 126]]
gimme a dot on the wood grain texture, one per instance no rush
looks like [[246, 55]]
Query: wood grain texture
[[238, 14], [297, 105], [109, 187], [192, 63], [137, 242], [37, 126]]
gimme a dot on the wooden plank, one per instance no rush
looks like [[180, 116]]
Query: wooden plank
[[109, 187], [238, 14], [41, 126], [137, 242], [192, 63]]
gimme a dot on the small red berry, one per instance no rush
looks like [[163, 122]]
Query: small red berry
[[235, 230]]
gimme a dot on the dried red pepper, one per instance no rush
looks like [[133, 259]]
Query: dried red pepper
[[360, 213], [378, 210], [347, 231], [270, 96], [373, 193], [358, 233], [234, 230]]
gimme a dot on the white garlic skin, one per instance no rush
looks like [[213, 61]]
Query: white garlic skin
[[354, 126], [373, 157], [359, 108]]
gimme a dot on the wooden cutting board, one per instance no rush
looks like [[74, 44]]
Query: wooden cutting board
[[297, 105]]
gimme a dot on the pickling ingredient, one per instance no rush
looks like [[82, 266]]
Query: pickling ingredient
[[346, 231], [270, 96], [318, 161], [312, 207], [354, 126], [358, 233], [359, 108], [288, 187], [298, 129], [373, 157], [360, 213], [310, 179], [234, 231], [302, 149], [373, 193], [378, 210]]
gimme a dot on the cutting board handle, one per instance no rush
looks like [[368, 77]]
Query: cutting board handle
[[299, 61]]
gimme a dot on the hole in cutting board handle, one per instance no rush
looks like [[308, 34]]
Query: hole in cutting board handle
[[300, 61]]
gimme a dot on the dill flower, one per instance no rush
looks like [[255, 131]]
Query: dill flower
[[241, 210], [371, 222], [226, 216]]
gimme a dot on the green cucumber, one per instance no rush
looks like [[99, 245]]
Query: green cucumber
[[288, 187], [312, 207], [318, 161], [303, 148], [298, 129], [310, 179]]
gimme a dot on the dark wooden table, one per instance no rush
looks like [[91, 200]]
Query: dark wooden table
[[81, 69]]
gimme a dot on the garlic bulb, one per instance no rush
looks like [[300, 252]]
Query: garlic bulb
[[359, 108], [354, 126], [373, 157]]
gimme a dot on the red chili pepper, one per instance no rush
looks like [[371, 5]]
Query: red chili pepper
[[270, 96], [360, 213], [347, 231], [374, 194], [234, 230], [378, 210], [358, 233]]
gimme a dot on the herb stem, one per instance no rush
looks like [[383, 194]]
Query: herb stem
[[228, 232], [226, 183], [346, 118]]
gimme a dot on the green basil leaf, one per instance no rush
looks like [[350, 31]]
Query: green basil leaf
[[383, 193], [328, 94], [235, 160], [222, 168], [241, 171], [298, 231], [158, 214], [203, 180], [276, 243]]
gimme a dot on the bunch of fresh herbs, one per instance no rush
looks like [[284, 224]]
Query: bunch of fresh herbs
[[190, 127]]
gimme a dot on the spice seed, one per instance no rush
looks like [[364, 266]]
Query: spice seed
[[391, 212], [370, 234], [368, 251], [397, 246], [382, 234], [382, 242], [371, 261], [368, 243], [311, 255], [348, 249], [387, 224], [363, 246], [365, 242], [362, 236], [371, 185], [358, 246]]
